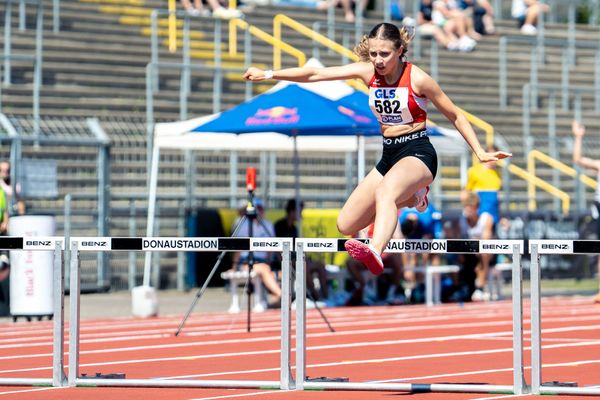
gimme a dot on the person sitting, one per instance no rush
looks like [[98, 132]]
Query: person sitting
[[447, 16], [476, 224], [416, 225], [482, 13], [286, 227], [218, 10], [427, 28], [261, 227], [527, 12]]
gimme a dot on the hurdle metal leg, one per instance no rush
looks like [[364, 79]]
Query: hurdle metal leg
[[300, 317], [58, 315], [285, 374], [74, 303], [58, 365], [536, 344], [519, 384]]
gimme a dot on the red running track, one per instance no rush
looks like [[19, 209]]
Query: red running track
[[412, 344]]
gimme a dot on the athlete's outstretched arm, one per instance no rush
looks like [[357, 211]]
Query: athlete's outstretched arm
[[426, 86], [579, 133], [361, 70]]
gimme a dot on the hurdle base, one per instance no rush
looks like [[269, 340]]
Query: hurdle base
[[326, 379], [144, 302]]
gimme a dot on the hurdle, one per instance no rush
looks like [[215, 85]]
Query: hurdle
[[187, 244], [536, 249], [56, 245], [451, 246]]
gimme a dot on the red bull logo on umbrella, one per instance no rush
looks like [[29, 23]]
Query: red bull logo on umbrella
[[274, 116], [353, 115]]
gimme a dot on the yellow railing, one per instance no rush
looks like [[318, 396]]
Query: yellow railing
[[542, 184], [172, 26], [274, 41], [562, 167]]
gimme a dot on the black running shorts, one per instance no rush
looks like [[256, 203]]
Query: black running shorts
[[411, 145]]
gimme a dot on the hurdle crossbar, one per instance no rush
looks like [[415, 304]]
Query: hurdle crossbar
[[536, 249], [56, 245], [187, 244], [449, 246]]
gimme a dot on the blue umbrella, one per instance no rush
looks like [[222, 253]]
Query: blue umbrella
[[294, 111]]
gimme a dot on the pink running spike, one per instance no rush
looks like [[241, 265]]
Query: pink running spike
[[361, 252], [424, 202]]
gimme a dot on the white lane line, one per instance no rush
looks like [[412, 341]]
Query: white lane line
[[28, 390], [230, 396], [336, 363]]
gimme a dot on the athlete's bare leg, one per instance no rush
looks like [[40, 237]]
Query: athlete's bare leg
[[398, 186], [359, 210]]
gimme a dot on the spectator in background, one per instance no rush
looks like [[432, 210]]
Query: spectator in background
[[4, 261], [415, 225], [426, 27], [482, 13], [526, 12], [261, 227], [219, 10], [453, 21], [5, 185], [476, 224], [594, 165], [485, 180], [286, 227], [347, 5]]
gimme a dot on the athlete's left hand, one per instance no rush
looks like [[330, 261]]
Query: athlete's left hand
[[494, 156]]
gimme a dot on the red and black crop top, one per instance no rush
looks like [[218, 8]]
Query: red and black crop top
[[396, 104]]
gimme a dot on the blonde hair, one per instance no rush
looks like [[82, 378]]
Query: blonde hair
[[471, 199], [385, 31]]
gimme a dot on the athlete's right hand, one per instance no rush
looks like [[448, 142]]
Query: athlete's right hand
[[254, 74], [578, 128]]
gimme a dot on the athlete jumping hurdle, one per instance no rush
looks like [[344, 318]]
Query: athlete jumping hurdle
[[398, 95]]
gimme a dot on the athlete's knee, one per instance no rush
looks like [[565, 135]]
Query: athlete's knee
[[344, 227]]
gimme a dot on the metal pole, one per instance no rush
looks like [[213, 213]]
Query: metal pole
[[74, 316], [67, 233], [37, 78], [7, 41], [534, 271], [151, 211], [184, 89], [300, 317], [571, 34], [58, 364], [526, 125], [285, 376], [552, 143], [154, 52], [132, 254], [233, 172], [150, 68], [180, 254], [22, 15], [597, 80], [417, 38], [566, 69], [218, 77], [434, 60], [533, 78], [517, 303], [56, 16], [502, 65]]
